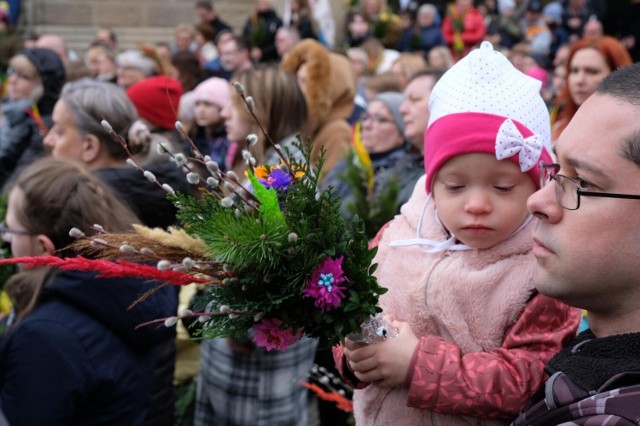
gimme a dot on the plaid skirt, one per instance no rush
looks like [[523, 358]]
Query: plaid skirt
[[253, 389]]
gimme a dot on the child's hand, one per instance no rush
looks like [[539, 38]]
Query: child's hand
[[384, 364]]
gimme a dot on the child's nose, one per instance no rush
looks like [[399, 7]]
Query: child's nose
[[479, 202]]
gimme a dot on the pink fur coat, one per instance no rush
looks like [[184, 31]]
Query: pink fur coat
[[485, 333]]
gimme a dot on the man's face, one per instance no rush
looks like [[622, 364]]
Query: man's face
[[284, 42], [230, 56], [204, 15], [184, 40], [415, 109], [588, 257]]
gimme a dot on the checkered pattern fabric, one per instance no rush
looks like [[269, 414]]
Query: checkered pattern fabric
[[259, 388]]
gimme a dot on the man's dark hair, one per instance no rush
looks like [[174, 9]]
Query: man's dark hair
[[204, 4], [113, 37], [428, 72], [624, 84], [240, 41]]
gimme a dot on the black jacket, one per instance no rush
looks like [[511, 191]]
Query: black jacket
[[145, 198], [78, 359], [260, 29]]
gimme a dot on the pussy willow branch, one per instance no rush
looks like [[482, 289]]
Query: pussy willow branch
[[196, 315], [266, 134]]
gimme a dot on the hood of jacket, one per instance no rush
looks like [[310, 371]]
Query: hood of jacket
[[330, 88], [52, 74], [149, 202], [108, 301]]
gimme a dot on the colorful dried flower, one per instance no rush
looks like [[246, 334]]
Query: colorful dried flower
[[276, 178], [269, 335], [324, 285]]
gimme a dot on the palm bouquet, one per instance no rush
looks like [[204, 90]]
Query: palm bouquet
[[273, 255]]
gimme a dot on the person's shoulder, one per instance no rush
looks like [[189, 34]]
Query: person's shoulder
[[614, 405], [48, 327]]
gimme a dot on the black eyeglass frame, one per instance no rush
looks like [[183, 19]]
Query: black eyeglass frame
[[551, 171], [5, 230]]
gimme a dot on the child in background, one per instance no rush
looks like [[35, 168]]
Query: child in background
[[208, 133], [474, 335]]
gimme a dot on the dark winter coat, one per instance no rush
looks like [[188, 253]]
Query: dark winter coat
[[20, 135], [78, 358], [399, 164], [592, 381], [151, 205], [421, 39], [145, 198], [260, 29]]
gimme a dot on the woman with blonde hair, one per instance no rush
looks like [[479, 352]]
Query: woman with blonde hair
[[279, 105], [406, 66], [35, 78], [100, 60], [440, 58]]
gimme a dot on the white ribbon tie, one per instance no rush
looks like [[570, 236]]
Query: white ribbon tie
[[510, 142]]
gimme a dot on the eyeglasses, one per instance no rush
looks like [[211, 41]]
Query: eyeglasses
[[377, 119], [6, 230], [23, 76], [568, 191]]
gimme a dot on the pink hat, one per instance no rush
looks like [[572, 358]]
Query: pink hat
[[483, 104], [214, 90], [157, 100]]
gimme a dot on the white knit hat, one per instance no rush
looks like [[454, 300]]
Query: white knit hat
[[484, 104]]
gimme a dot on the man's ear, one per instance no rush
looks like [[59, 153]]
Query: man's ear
[[45, 245], [91, 149]]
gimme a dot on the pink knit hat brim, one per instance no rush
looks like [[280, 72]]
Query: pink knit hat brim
[[467, 133]]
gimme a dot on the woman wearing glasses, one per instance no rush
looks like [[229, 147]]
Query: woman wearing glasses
[[382, 135], [74, 355], [35, 78]]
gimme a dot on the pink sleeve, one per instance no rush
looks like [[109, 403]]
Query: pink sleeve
[[495, 384]]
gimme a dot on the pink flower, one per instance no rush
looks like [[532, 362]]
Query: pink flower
[[324, 285], [269, 335]]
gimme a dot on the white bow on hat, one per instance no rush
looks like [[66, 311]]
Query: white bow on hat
[[510, 142]]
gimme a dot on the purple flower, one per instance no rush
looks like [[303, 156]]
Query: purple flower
[[269, 335], [324, 285], [276, 179]]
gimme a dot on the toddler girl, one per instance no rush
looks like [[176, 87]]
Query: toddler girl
[[474, 335]]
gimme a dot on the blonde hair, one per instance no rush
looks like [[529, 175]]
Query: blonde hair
[[409, 64], [445, 55], [279, 105], [22, 65], [386, 82]]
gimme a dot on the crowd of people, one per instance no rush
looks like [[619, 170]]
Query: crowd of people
[[505, 129]]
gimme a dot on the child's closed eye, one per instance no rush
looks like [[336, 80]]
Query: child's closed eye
[[504, 188], [453, 187]]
